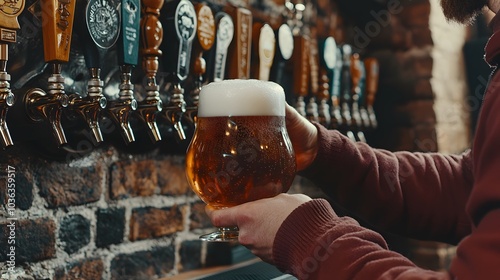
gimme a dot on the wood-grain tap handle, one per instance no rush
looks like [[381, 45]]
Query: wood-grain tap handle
[[151, 37], [372, 76], [58, 18], [240, 48], [356, 73], [264, 46], [205, 38], [300, 60]]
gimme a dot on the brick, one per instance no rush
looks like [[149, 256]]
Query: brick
[[110, 226], [34, 240], [416, 15], [74, 232], [198, 217], [133, 178], [150, 264], [86, 269], [171, 176], [405, 90], [190, 254], [421, 36], [62, 185], [23, 189], [415, 113], [155, 222]]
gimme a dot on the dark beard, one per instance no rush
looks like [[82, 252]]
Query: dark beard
[[462, 11]]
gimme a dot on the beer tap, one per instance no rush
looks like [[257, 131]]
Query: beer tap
[[8, 27], [240, 47], [329, 62], [312, 110], [264, 46], [301, 61], [151, 38], [346, 99], [218, 55], [357, 81], [58, 17], [337, 121], [98, 30], [179, 18], [372, 76], [284, 51], [128, 51], [205, 39]]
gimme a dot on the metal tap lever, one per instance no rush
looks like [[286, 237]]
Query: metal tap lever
[[6, 96], [179, 18], [57, 36], [128, 51], [151, 39]]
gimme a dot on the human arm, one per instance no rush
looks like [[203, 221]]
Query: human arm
[[306, 238], [413, 194]]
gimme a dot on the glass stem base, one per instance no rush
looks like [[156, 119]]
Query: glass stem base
[[223, 234]]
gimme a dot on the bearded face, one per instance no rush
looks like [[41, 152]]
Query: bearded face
[[462, 11]]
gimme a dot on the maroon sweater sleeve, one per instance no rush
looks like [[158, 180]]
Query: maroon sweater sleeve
[[414, 194], [313, 243]]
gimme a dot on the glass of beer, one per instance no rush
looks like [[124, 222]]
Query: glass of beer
[[240, 150]]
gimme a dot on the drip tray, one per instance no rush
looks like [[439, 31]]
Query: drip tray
[[256, 270]]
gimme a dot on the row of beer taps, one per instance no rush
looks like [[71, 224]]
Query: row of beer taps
[[331, 84]]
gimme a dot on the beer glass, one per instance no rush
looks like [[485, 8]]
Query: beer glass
[[240, 150]]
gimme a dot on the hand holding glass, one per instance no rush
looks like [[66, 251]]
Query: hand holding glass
[[240, 150]]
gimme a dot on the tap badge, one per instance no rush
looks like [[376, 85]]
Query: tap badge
[[225, 33], [103, 22], [185, 26], [9, 10], [130, 10], [329, 53]]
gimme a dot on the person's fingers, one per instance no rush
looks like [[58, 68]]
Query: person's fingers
[[222, 217]]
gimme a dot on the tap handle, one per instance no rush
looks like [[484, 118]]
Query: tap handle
[[179, 22], [314, 64], [58, 18], [240, 48], [300, 60], [224, 36], [98, 28], [128, 45], [205, 38], [356, 74], [9, 13], [151, 36], [264, 45], [284, 51], [372, 76], [346, 72]]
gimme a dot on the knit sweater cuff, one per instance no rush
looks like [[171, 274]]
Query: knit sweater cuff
[[296, 236]]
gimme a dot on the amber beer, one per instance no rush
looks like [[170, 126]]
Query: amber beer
[[240, 150]]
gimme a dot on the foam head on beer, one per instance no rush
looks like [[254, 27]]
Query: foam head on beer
[[241, 98]]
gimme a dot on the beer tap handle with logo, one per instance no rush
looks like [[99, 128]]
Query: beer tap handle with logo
[[128, 52], [179, 21], [312, 110], [98, 29], [301, 62], [203, 42], [336, 89], [357, 81], [284, 51], [217, 57], [263, 51], [372, 76], [151, 38], [346, 99], [329, 60], [47, 106], [240, 48], [9, 12]]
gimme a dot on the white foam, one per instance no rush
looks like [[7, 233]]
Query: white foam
[[241, 98]]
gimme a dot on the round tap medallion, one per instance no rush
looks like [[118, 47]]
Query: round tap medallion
[[185, 23], [103, 22]]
